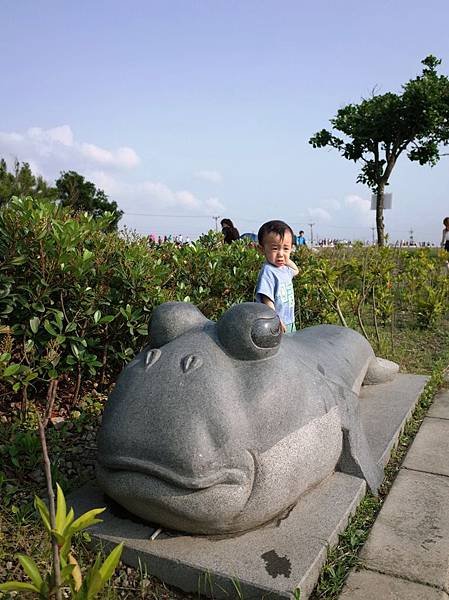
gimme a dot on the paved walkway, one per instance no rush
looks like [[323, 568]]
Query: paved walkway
[[406, 556]]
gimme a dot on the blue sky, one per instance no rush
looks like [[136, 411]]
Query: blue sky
[[199, 108]]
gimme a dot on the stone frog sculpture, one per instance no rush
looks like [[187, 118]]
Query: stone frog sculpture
[[217, 428]]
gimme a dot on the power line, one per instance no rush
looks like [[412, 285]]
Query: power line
[[258, 221]]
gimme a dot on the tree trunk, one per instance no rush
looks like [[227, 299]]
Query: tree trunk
[[380, 214]]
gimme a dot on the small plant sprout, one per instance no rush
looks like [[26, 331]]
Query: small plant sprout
[[81, 588]]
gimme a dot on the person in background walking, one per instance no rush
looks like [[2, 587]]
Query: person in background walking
[[228, 230], [300, 239], [445, 239]]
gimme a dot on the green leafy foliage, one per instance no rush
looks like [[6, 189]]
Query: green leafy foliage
[[76, 300], [21, 182], [82, 588], [81, 195], [63, 281]]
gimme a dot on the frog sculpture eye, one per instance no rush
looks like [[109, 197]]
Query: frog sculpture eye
[[266, 333], [250, 331]]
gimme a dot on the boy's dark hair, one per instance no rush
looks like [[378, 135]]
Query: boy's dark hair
[[277, 227], [445, 220], [301, 232]]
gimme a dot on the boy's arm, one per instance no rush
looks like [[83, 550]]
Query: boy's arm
[[270, 303], [266, 285], [265, 300], [293, 267]]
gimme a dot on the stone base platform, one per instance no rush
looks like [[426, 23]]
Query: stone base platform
[[273, 561]]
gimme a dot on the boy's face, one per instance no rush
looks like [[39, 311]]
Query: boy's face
[[277, 250]]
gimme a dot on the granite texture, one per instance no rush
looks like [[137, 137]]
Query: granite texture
[[271, 561], [265, 563], [217, 428], [396, 400]]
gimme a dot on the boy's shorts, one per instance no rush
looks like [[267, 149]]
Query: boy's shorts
[[290, 328]]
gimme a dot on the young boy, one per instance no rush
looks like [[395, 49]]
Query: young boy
[[274, 285]]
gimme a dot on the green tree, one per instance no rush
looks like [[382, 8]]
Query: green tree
[[381, 128], [81, 195], [21, 182]]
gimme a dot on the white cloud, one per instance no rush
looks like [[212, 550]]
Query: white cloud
[[214, 205], [121, 158], [55, 149], [211, 176], [319, 213], [50, 151], [187, 199], [10, 138], [360, 209], [147, 197], [105, 181], [62, 134], [331, 204]]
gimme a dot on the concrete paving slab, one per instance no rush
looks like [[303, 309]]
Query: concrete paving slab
[[430, 449], [272, 561], [410, 538], [440, 406], [367, 585], [266, 563], [384, 410]]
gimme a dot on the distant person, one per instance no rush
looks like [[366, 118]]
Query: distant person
[[300, 239], [230, 233], [445, 237], [274, 285]]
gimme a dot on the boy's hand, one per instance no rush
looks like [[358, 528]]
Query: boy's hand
[[270, 303], [293, 267]]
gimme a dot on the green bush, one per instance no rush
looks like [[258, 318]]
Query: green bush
[[75, 299]]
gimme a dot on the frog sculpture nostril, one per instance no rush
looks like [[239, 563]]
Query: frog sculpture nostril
[[191, 362], [218, 428], [151, 357]]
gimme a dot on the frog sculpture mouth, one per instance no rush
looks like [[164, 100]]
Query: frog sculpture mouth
[[217, 428], [146, 468]]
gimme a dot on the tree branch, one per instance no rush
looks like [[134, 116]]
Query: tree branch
[[51, 395]]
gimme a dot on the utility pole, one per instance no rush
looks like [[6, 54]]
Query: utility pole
[[311, 232], [373, 229], [216, 222]]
